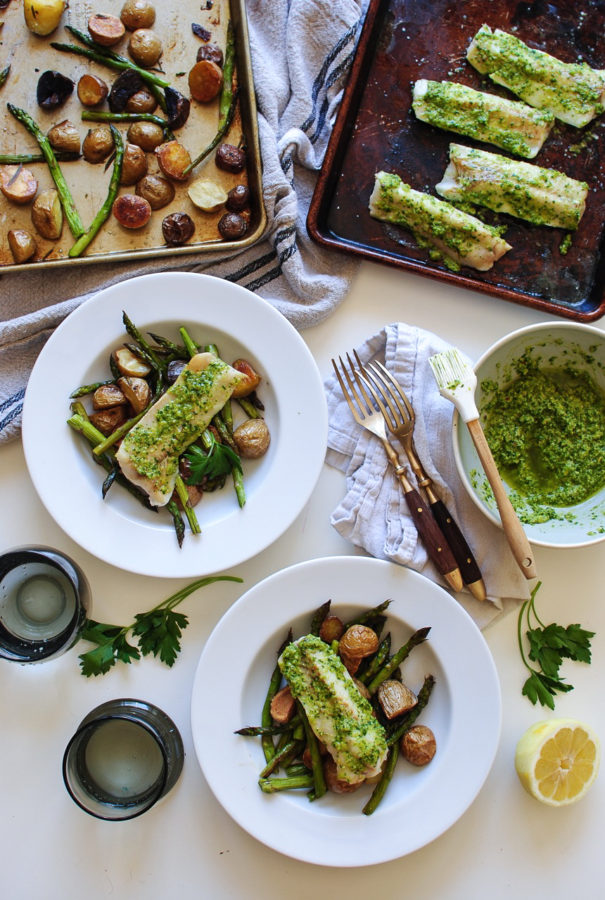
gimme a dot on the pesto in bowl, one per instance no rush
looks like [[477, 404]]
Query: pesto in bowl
[[541, 395]]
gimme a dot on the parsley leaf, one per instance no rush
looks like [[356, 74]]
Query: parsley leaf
[[158, 633], [549, 645], [220, 460]]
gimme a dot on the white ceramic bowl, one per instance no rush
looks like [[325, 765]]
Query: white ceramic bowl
[[556, 343]]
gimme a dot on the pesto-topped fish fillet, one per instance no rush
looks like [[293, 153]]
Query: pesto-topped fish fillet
[[573, 92], [540, 196], [338, 714], [149, 454], [460, 237], [509, 124]]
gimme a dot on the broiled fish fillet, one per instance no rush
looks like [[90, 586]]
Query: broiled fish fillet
[[509, 124], [455, 234], [338, 714], [149, 454], [573, 92], [540, 196]]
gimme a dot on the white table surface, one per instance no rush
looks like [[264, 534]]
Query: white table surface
[[505, 845]]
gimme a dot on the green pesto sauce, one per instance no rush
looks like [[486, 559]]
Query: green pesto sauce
[[546, 430], [154, 449]]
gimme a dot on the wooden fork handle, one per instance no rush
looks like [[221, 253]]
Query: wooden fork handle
[[433, 539], [430, 534], [511, 525], [471, 574]]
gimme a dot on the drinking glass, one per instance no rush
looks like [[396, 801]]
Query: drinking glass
[[125, 755], [44, 603]]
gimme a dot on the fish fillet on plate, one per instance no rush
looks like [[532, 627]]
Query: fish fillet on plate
[[149, 454]]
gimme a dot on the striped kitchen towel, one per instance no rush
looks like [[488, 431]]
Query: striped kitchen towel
[[301, 51]]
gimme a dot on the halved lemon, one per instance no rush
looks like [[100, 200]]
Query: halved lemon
[[557, 760]]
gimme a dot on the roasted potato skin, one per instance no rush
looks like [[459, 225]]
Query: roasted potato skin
[[146, 135], [252, 438], [43, 16], [106, 30], [142, 101], [252, 378], [418, 745], [157, 190], [108, 395], [47, 215], [173, 159], [359, 641], [137, 14], [205, 80], [18, 185], [22, 244], [132, 211], [107, 420], [134, 165], [395, 698], [98, 144], [64, 136], [332, 629], [145, 47], [91, 90]]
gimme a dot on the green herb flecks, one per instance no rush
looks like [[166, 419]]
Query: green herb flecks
[[157, 632], [549, 645]]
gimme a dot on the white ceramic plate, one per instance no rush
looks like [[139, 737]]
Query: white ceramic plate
[[420, 804], [118, 529]]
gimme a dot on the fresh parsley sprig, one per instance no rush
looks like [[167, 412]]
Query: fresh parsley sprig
[[217, 463], [157, 633], [549, 645]]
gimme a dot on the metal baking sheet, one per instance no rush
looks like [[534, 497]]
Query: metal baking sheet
[[404, 40], [29, 56]]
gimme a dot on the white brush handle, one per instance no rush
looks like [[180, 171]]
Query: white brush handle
[[513, 529]]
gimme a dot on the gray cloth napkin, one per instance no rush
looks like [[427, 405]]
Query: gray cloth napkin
[[301, 51], [373, 513]]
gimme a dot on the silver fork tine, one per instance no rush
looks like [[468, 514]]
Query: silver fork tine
[[352, 392], [394, 389], [383, 396]]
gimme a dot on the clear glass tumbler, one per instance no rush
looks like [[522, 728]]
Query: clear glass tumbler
[[125, 756], [44, 603]]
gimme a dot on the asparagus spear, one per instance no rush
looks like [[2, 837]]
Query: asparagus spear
[[106, 57], [266, 720], [4, 75], [103, 214], [187, 508], [417, 638], [272, 785], [227, 102], [385, 779], [16, 159], [319, 781], [67, 202], [541, 196], [94, 115]]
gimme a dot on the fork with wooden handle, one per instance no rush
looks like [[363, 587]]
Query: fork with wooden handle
[[457, 381], [400, 419], [363, 411]]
